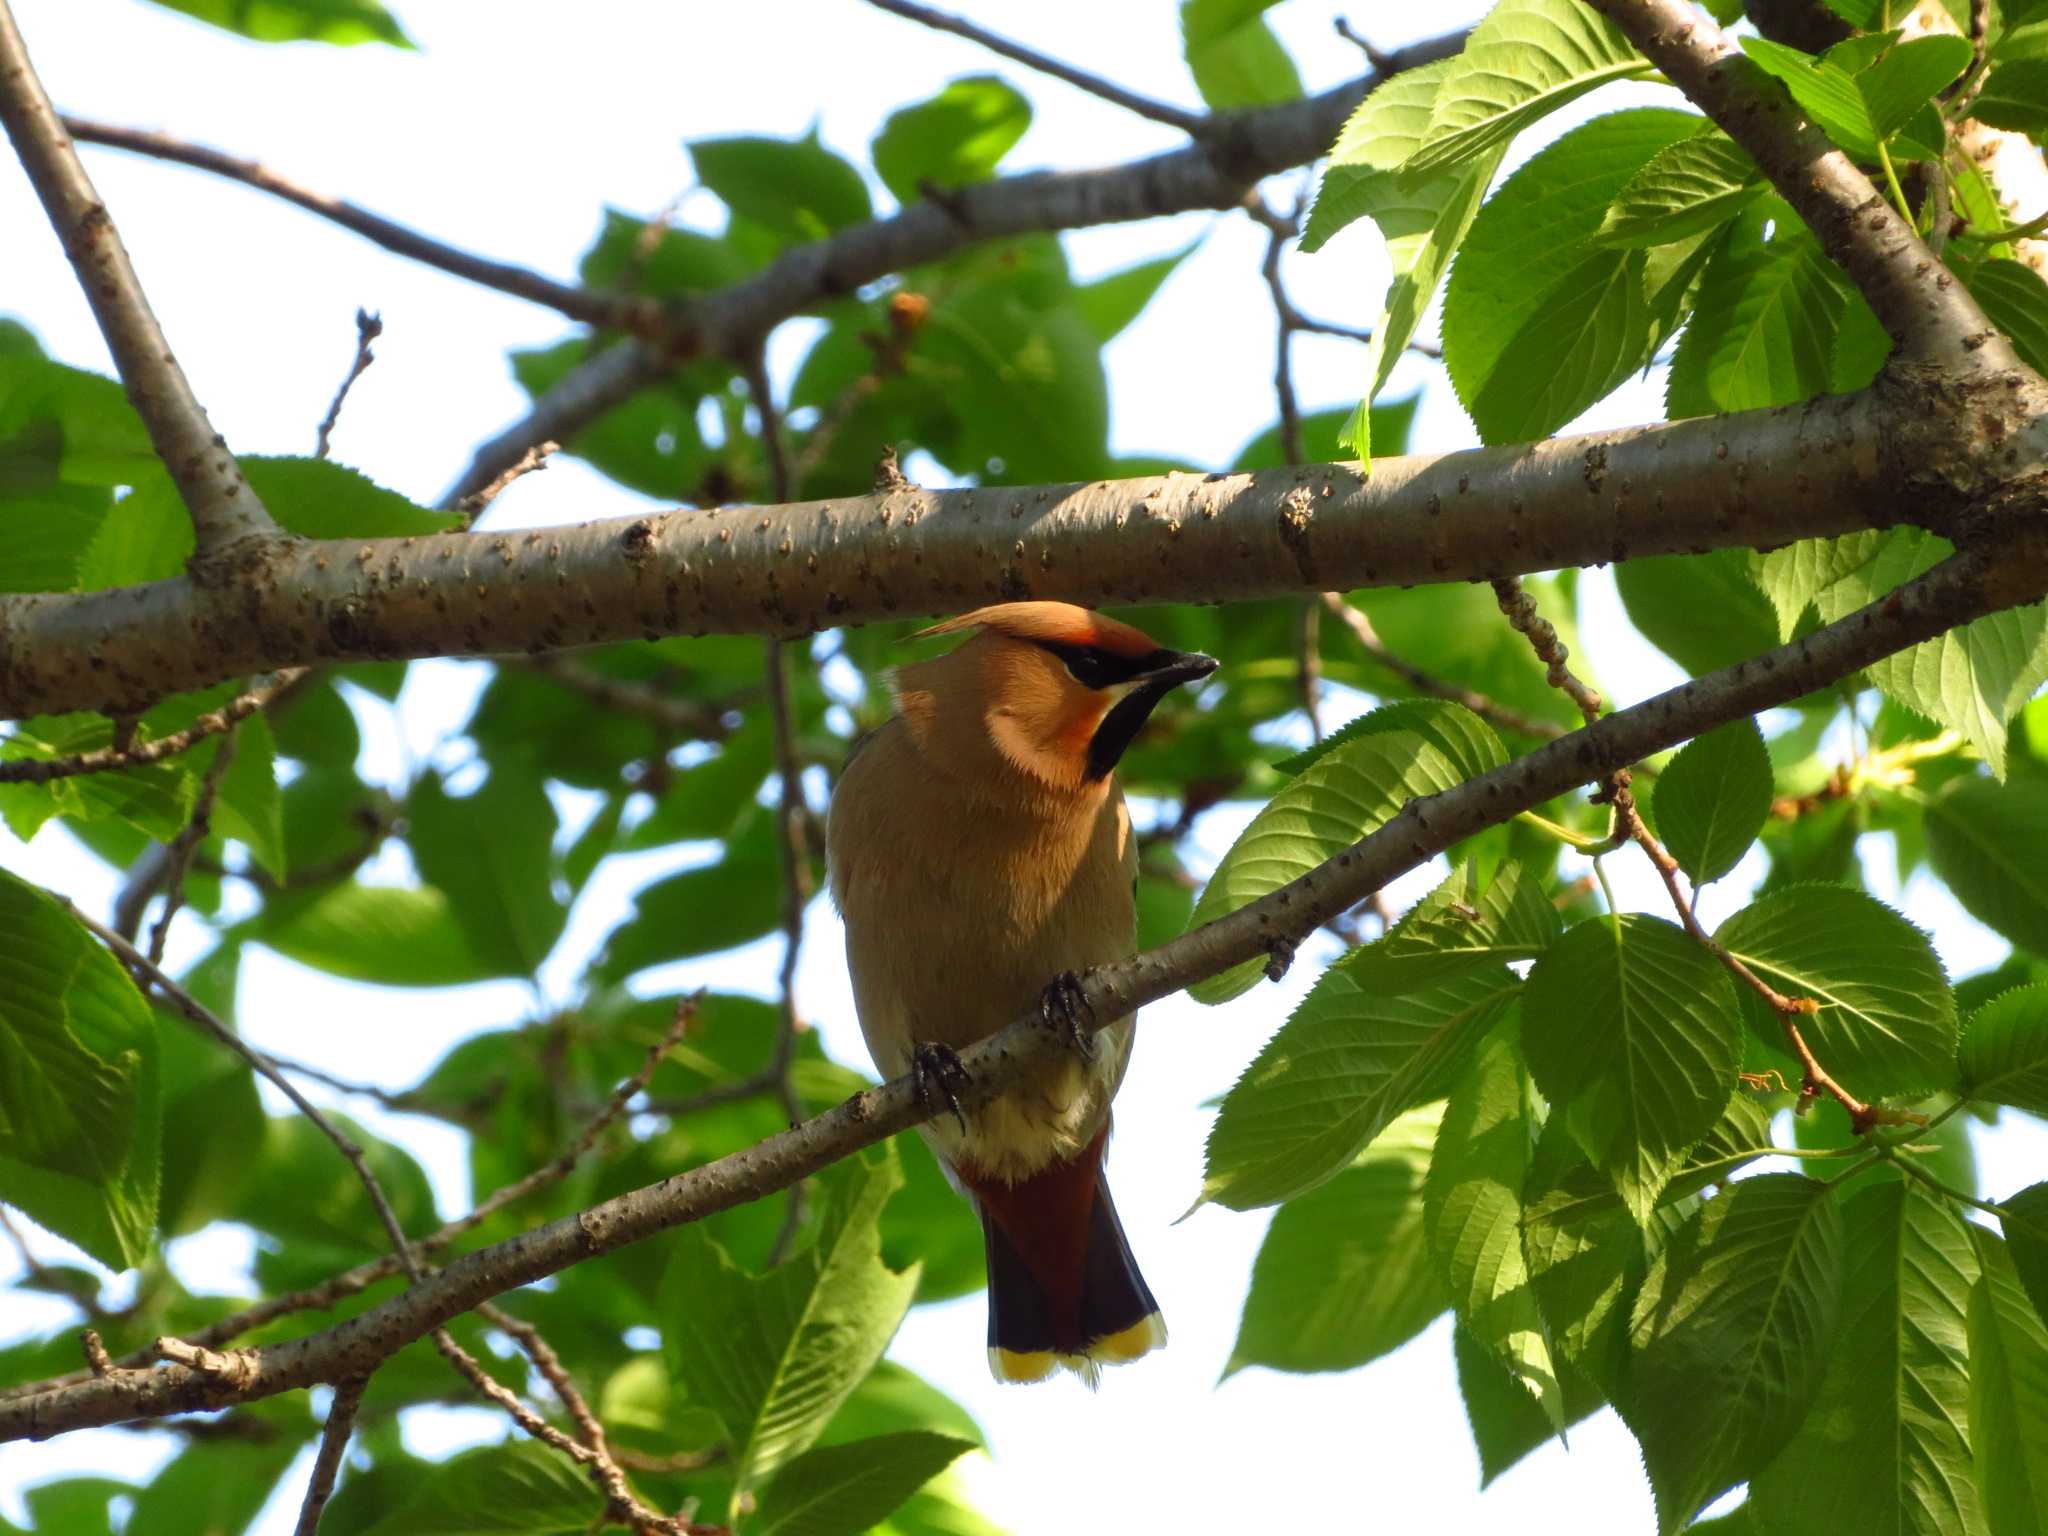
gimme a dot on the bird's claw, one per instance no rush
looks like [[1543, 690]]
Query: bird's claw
[[940, 1079], [1063, 1005], [1279, 957]]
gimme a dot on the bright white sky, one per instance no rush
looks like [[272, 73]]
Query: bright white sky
[[508, 133]]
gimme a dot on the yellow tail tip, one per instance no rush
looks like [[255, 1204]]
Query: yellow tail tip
[[1023, 1366]]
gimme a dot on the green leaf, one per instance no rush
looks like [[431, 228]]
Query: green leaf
[[1887, 1020], [1730, 1336], [2025, 1223], [1687, 188], [1340, 1069], [1525, 60], [1456, 929], [391, 935], [1906, 78], [1467, 742], [1762, 330], [843, 1490], [1973, 679], [1234, 56], [341, 22], [62, 425], [2015, 299], [1422, 220], [1472, 1217], [1343, 1277], [519, 1488], [1507, 1423], [775, 1355], [1989, 842], [79, 1086], [1824, 90], [1792, 577], [957, 137], [703, 910], [1629, 1022], [2003, 1057], [491, 854], [2008, 1396], [1323, 810], [1541, 319], [1884, 1445], [796, 188], [1712, 799], [2015, 97], [1113, 301], [215, 1486], [1700, 610]]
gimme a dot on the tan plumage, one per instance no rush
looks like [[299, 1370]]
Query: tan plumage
[[979, 847]]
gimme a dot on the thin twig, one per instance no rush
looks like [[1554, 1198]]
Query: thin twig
[[32, 770], [908, 312], [1374, 56], [687, 717], [472, 506], [149, 975], [1309, 668], [334, 1435], [351, 1282], [178, 852], [791, 817], [368, 328], [1480, 704], [1158, 111], [224, 510], [606, 310], [96, 1358]]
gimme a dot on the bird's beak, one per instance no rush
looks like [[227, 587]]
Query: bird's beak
[[1174, 669]]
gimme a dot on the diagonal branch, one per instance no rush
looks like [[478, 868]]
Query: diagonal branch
[[1930, 315], [341, 1422], [609, 310], [1899, 453], [225, 512], [40, 770], [1230, 156], [1962, 588], [1031, 58]]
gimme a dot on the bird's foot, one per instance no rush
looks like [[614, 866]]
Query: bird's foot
[[1063, 1005], [1279, 957], [940, 1079]]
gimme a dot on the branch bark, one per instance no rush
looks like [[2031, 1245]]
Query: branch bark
[[1964, 587], [225, 512], [1898, 453]]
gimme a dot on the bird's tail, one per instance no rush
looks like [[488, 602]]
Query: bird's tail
[[1063, 1288]]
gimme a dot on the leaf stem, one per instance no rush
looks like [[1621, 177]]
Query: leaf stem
[[1912, 1170], [1578, 840], [1891, 180]]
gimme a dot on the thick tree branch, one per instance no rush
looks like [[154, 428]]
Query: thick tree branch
[[1231, 154], [1758, 479], [1144, 106], [1962, 588], [1925, 310], [225, 512], [613, 311]]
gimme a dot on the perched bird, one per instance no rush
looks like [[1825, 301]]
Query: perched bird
[[981, 853]]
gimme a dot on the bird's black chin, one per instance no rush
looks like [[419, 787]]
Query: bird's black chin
[[1163, 672]]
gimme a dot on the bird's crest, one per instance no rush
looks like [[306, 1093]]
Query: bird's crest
[[1051, 623]]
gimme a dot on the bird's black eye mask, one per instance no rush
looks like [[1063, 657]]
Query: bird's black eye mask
[[1093, 667], [1157, 674]]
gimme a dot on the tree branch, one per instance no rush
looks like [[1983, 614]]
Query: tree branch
[[1480, 704], [1961, 588], [40, 770], [613, 311], [1908, 451], [368, 328], [1158, 111], [334, 1434], [225, 512], [1923, 308], [1231, 155]]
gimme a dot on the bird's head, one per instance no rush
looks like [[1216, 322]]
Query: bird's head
[[1057, 691]]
